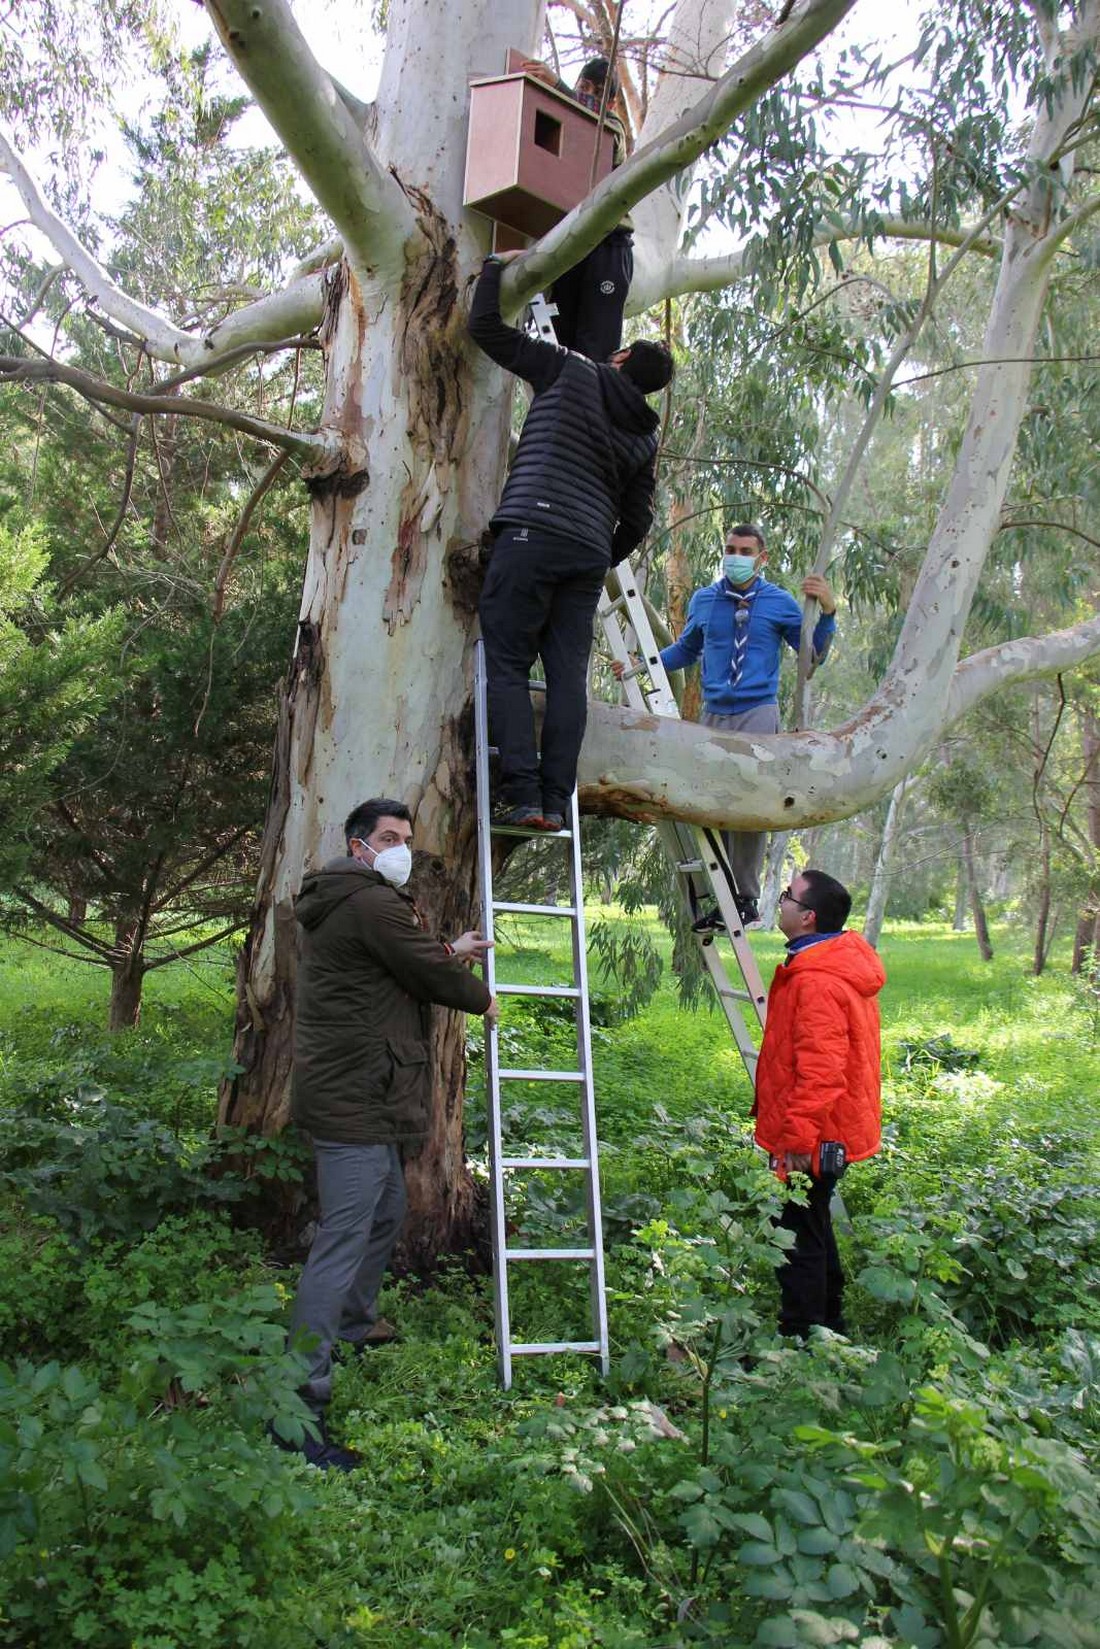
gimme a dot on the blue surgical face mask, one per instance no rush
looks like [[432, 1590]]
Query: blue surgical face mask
[[738, 568]]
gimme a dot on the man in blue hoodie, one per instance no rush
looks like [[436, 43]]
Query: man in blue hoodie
[[737, 627]]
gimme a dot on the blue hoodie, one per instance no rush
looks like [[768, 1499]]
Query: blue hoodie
[[774, 617]]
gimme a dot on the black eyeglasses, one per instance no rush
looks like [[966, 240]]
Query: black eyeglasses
[[787, 894]]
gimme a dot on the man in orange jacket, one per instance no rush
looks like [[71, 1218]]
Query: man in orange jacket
[[818, 1102]]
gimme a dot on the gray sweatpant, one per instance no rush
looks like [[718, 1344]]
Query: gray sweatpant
[[745, 848], [362, 1195]]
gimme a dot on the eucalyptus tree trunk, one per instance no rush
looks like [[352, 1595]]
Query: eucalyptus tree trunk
[[974, 894], [1043, 926], [1087, 933], [880, 878], [962, 894], [771, 886]]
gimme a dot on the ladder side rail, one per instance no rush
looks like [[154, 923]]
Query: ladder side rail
[[672, 838], [597, 1283], [492, 1045], [722, 884], [621, 591]]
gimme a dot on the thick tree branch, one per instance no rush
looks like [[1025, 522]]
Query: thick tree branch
[[635, 765], [1021, 660], [325, 446], [681, 274], [369, 208], [291, 312], [675, 150]]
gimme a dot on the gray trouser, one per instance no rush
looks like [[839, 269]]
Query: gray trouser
[[362, 1196], [745, 848]]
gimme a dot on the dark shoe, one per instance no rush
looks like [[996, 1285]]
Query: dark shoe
[[747, 909], [320, 1451], [553, 821], [518, 818], [710, 922], [380, 1333]]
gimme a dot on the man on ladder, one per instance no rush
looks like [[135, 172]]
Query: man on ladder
[[578, 500], [736, 628]]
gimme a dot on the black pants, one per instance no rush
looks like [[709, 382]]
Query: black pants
[[811, 1282], [538, 601], [592, 295]]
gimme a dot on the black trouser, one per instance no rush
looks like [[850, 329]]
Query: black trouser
[[592, 295], [538, 601], [811, 1282]]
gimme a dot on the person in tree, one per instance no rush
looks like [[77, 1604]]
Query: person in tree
[[591, 297], [578, 499], [367, 977], [818, 1086], [737, 627]]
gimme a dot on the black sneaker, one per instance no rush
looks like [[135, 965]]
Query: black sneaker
[[710, 922], [748, 910], [553, 821], [320, 1451]]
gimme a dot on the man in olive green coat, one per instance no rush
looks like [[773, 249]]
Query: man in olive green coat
[[367, 978]]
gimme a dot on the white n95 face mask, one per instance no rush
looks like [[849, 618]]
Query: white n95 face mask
[[395, 864]]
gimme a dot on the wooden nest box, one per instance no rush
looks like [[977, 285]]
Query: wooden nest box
[[529, 152]]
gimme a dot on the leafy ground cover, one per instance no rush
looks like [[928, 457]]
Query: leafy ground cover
[[930, 1481]]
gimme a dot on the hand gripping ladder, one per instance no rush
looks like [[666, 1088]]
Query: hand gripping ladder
[[496, 1074], [696, 853]]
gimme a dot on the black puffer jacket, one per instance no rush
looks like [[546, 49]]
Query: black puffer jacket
[[585, 465], [367, 976]]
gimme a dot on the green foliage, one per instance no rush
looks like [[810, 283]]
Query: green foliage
[[118, 1520], [99, 1170], [926, 1482], [52, 682]]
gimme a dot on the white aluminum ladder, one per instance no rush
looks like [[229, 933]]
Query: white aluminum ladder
[[695, 853], [497, 1074]]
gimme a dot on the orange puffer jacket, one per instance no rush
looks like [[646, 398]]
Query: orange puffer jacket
[[818, 1073]]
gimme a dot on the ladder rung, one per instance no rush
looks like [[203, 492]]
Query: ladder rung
[[534, 910], [534, 1348], [736, 996], [691, 867], [545, 1162], [538, 990], [549, 1253], [514, 1075], [527, 831]]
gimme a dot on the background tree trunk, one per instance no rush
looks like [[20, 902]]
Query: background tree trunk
[[1042, 913], [880, 879], [962, 894], [773, 877], [977, 909], [1087, 935], [127, 977]]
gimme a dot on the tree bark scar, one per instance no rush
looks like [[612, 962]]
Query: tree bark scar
[[350, 475], [305, 693], [409, 561], [432, 340]]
